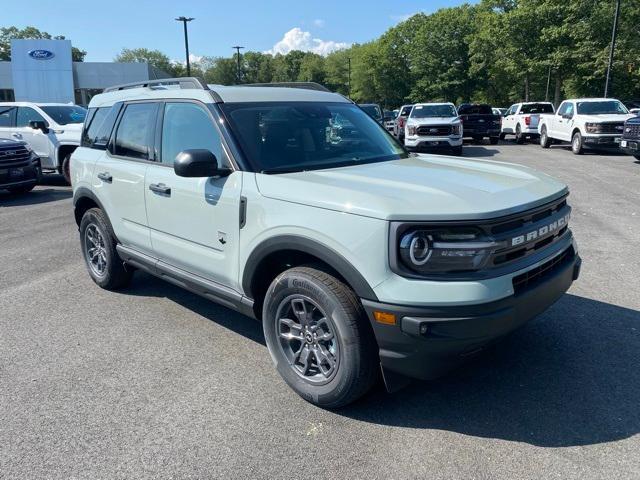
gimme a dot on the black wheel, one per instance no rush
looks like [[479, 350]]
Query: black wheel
[[545, 141], [66, 169], [457, 150], [99, 251], [21, 189], [493, 140], [319, 337], [637, 157], [576, 143], [502, 135], [519, 137]]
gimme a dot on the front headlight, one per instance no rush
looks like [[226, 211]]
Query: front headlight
[[445, 249], [455, 130], [411, 130], [591, 127]]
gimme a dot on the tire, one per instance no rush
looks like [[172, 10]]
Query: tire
[[545, 141], [329, 372], [66, 169], [493, 140], [637, 157], [519, 137], [576, 143], [105, 266], [502, 136], [21, 189]]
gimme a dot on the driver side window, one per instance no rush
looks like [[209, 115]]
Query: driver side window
[[187, 126], [26, 115]]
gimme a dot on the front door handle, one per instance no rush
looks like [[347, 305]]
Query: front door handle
[[16, 135], [105, 177], [160, 188]]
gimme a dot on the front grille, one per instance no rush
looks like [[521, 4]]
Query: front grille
[[535, 276], [612, 127], [14, 156], [631, 130], [434, 130], [529, 233]]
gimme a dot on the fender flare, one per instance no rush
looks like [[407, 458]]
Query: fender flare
[[306, 245]]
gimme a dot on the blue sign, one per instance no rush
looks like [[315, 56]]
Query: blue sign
[[40, 54]]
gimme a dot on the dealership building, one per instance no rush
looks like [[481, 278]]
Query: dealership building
[[43, 71]]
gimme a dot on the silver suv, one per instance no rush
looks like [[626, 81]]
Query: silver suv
[[293, 206]]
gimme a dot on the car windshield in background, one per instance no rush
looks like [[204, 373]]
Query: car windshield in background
[[425, 111], [406, 111], [63, 115], [371, 110], [279, 137], [475, 110], [602, 108], [537, 108]]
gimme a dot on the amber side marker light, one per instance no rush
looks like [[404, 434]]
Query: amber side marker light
[[384, 317]]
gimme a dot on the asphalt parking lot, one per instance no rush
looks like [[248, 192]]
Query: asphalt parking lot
[[155, 382]]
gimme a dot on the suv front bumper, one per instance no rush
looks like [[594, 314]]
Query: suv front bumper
[[601, 140], [426, 342], [416, 143]]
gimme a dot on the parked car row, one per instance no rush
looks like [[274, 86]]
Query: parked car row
[[584, 123]]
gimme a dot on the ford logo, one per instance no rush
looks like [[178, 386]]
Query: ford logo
[[41, 54]]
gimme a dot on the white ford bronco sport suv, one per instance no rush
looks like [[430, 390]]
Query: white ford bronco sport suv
[[356, 256], [52, 130]]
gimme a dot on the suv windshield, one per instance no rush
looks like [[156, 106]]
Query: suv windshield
[[602, 107], [296, 136], [62, 114], [537, 108], [424, 111]]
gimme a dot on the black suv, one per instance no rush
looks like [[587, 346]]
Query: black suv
[[19, 166], [630, 141]]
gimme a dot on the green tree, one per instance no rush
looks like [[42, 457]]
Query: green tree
[[143, 55]]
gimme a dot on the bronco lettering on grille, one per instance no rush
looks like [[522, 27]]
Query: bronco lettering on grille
[[540, 232]]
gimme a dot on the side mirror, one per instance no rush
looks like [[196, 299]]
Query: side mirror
[[198, 163], [39, 125], [567, 116]]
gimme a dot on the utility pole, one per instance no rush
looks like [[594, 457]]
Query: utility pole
[[238, 73], [613, 47], [349, 79], [184, 21], [546, 95]]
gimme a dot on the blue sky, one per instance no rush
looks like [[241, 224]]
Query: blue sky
[[103, 28]]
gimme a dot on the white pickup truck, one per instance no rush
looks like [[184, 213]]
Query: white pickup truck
[[586, 123], [522, 120]]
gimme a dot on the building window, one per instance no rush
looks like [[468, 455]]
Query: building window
[[6, 95]]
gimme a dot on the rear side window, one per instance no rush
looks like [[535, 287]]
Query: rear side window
[[537, 108], [406, 111], [7, 116], [134, 136], [187, 126], [98, 126], [475, 110]]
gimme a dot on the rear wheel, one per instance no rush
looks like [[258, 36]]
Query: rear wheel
[[99, 251], [545, 141], [519, 137], [502, 135], [319, 338], [576, 143]]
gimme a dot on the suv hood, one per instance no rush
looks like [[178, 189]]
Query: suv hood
[[433, 120], [420, 187]]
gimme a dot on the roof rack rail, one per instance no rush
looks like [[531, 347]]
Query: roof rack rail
[[183, 82], [304, 85]]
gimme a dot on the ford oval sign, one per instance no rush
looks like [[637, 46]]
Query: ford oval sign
[[40, 54]]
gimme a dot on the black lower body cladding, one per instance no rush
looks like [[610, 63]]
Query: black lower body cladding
[[426, 342]]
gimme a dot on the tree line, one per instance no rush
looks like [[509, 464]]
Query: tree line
[[495, 51]]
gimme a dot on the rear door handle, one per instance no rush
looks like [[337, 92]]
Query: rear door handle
[[160, 188], [105, 177]]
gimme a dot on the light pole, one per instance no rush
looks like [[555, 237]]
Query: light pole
[[613, 47], [184, 21], [237, 47]]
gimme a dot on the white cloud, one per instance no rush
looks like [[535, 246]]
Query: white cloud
[[193, 58], [298, 39], [318, 22]]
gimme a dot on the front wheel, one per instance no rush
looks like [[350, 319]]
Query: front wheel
[[545, 141], [319, 338], [66, 169], [519, 135], [99, 251], [576, 143]]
